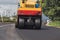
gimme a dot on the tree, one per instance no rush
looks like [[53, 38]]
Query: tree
[[51, 8]]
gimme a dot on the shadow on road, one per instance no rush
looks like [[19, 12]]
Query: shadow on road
[[42, 28]]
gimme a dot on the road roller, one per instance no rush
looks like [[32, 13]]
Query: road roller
[[29, 14]]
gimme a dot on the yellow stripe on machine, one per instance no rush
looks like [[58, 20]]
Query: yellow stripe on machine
[[35, 9]]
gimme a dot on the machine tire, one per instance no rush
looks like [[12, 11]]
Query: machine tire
[[21, 23], [38, 23], [16, 24]]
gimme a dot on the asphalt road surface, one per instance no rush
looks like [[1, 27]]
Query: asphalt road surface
[[9, 32]]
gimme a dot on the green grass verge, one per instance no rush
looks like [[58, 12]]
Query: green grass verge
[[55, 24], [6, 19]]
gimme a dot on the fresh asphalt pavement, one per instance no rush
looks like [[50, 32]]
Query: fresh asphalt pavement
[[9, 32]]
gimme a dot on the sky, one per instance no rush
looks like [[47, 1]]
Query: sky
[[8, 4], [8, 1]]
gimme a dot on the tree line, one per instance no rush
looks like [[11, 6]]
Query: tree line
[[51, 8]]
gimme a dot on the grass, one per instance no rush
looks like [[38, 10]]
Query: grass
[[7, 19], [55, 24]]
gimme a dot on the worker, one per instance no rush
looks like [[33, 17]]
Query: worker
[[37, 4]]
